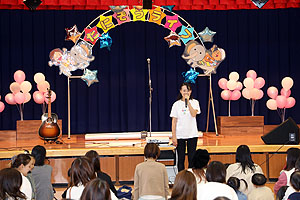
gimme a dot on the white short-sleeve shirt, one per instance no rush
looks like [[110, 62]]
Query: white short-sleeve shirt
[[186, 126]]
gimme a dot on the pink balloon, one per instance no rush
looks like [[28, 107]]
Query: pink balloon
[[39, 98], [281, 101], [272, 92], [235, 95], [246, 93], [223, 83], [226, 94], [271, 104], [43, 86], [285, 93], [19, 76], [239, 86], [259, 82], [14, 87], [19, 98], [290, 102], [254, 93], [53, 97], [10, 99], [2, 106], [251, 74]]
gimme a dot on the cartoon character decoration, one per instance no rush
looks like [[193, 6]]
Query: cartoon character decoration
[[79, 57], [196, 55]]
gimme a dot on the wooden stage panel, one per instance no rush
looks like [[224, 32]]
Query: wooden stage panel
[[277, 163], [127, 166]]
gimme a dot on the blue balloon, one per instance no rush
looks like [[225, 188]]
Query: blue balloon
[[190, 76]]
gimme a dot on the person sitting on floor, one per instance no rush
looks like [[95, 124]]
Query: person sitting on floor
[[216, 185], [199, 162], [94, 158], [281, 192], [96, 189], [295, 183], [185, 187], [150, 177], [235, 183], [244, 168], [284, 179], [260, 191], [10, 184]]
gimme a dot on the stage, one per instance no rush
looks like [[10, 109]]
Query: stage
[[121, 152]]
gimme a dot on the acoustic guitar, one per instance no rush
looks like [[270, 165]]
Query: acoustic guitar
[[49, 130]]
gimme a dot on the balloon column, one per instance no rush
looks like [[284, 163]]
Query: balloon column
[[282, 101], [20, 92], [231, 88], [40, 96], [252, 90], [2, 106]]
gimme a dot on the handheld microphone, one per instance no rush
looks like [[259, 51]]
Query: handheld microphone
[[148, 60], [185, 100]]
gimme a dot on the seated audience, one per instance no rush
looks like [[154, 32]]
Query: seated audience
[[281, 192], [199, 162], [96, 189], [41, 174], [10, 184], [150, 177], [185, 187], [260, 191], [94, 158], [284, 179], [295, 183], [215, 187], [80, 174], [235, 183], [24, 163], [244, 168]]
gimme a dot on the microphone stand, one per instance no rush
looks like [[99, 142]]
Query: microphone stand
[[150, 97]]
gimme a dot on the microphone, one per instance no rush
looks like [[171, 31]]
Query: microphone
[[185, 100], [148, 60]]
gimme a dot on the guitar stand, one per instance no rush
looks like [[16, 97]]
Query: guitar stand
[[52, 141]]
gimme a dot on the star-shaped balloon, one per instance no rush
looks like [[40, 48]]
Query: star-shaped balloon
[[173, 39], [72, 34], [117, 9], [169, 8], [105, 41], [90, 77], [207, 35], [190, 76]]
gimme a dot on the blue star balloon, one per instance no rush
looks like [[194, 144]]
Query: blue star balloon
[[186, 34], [190, 76], [105, 41], [169, 8], [207, 35], [90, 77]]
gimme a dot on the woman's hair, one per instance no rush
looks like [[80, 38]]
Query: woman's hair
[[292, 155], [10, 183], [259, 179], [81, 172], [235, 183], [96, 189], [151, 151], [297, 165], [185, 186], [19, 160], [281, 192], [39, 154], [216, 172], [188, 86], [221, 198], [295, 180], [243, 156], [93, 156], [199, 162]]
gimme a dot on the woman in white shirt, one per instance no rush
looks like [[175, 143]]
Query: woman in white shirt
[[184, 124], [24, 163], [200, 161]]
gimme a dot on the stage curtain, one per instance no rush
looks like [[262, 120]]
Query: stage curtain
[[264, 40]]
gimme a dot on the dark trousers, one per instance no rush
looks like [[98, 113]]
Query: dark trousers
[[191, 144]]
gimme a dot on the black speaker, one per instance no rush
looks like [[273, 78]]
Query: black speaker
[[147, 4], [286, 133]]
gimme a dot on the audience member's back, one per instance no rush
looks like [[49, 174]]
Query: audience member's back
[[295, 183], [244, 168], [260, 191]]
